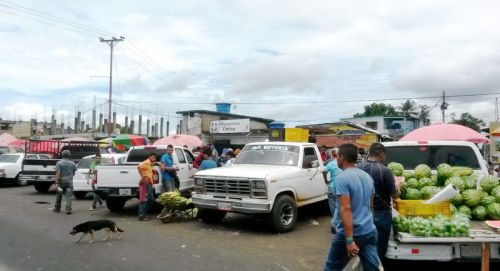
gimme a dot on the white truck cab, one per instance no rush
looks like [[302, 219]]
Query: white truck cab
[[272, 178]]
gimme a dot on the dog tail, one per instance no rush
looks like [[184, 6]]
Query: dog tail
[[118, 229]]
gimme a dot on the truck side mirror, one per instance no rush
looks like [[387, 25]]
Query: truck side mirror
[[315, 164]]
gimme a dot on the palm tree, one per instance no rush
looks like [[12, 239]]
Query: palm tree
[[408, 107], [423, 114]]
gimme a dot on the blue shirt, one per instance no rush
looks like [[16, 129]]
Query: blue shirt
[[334, 171], [358, 185], [168, 161], [208, 164]]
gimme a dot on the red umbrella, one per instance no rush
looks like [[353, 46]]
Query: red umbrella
[[180, 140], [445, 132]]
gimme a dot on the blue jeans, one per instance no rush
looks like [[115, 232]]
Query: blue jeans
[[383, 223], [96, 197], [367, 244], [331, 203], [168, 185], [67, 191], [146, 205]]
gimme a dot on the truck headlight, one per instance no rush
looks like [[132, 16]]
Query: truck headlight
[[258, 184], [198, 181]]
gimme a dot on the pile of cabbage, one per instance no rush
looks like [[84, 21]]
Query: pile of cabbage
[[439, 226], [477, 202]]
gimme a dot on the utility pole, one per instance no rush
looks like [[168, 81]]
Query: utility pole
[[111, 42], [444, 106], [496, 109]]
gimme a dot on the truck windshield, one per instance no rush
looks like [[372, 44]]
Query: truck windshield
[[281, 155], [85, 162], [139, 155], [412, 156], [8, 158]]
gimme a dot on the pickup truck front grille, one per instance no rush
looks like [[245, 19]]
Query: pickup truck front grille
[[227, 187]]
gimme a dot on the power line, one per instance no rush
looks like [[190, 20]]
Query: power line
[[314, 102]]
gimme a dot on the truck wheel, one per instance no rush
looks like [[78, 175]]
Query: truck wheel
[[211, 216], [42, 187], [115, 205], [21, 182], [80, 194], [283, 217]]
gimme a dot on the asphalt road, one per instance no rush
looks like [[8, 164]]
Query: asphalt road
[[34, 238]]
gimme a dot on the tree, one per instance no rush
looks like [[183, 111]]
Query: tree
[[423, 114], [407, 107], [466, 119], [377, 109]]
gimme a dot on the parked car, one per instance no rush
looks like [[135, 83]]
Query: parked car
[[81, 185], [11, 166]]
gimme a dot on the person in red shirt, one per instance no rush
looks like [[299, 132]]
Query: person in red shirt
[[199, 158]]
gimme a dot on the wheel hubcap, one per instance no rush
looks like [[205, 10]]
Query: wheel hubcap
[[286, 215]]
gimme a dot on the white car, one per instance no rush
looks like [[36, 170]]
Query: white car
[[80, 182], [11, 166]]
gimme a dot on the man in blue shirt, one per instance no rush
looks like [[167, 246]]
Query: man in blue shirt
[[356, 233], [169, 170], [207, 162], [334, 171]]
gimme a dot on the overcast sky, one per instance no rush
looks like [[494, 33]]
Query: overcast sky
[[272, 59]]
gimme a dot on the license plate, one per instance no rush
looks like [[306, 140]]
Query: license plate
[[470, 251], [226, 206], [125, 192]]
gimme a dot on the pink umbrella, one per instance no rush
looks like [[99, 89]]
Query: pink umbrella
[[6, 138], [19, 143], [445, 132], [180, 140]]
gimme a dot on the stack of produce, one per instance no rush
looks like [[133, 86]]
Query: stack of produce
[[477, 202], [438, 226], [173, 200]]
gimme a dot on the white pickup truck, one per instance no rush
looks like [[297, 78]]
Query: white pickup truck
[[272, 178], [456, 153], [119, 183], [11, 166], [81, 185]]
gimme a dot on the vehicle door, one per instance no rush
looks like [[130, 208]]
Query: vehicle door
[[190, 160], [311, 183], [181, 162]]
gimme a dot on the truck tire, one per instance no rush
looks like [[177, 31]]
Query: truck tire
[[21, 182], [115, 204], [79, 194], [283, 216], [42, 187], [211, 216]]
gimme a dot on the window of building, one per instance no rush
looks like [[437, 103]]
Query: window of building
[[372, 124]]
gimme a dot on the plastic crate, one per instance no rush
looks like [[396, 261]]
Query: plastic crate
[[419, 208]]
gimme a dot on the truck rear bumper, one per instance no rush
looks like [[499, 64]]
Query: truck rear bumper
[[37, 178], [130, 192], [245, 206]]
